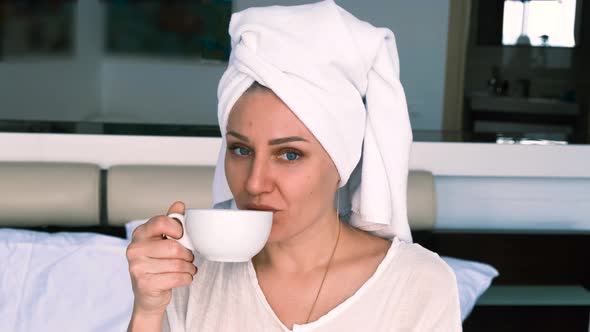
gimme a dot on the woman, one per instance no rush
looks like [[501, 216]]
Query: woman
[[311, 112]]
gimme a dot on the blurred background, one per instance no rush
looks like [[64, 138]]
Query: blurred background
[[101, 101], [475, 71]]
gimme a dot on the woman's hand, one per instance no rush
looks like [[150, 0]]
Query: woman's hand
[[157, 265]]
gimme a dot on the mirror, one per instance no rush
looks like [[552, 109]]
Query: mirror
[[530, 23], [526, 71]]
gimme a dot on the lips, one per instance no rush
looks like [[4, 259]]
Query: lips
[[260, 207]]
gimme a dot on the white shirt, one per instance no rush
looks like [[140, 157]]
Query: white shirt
[[412, 290]]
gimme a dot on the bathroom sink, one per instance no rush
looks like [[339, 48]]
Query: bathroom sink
[[522, 105]]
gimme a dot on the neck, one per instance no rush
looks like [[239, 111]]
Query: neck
[[304, 252]]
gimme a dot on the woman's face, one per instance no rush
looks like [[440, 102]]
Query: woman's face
[[273, 162]]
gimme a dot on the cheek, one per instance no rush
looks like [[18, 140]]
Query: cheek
[[321, 183], [303, 189], [234, 173]]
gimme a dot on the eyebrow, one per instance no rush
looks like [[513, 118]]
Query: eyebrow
[[239, 136], [275, 141]]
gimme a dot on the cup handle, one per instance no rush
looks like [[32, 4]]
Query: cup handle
[[184, 240]]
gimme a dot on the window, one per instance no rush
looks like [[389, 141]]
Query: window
[[539, 23]]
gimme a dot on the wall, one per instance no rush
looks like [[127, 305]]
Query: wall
[[168, 91], [421, 28], [59, 89], [141, 88], [157, 91]]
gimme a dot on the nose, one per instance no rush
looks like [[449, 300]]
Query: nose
[[259, 180]]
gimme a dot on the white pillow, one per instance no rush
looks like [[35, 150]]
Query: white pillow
[[63, 282], [473, 279]]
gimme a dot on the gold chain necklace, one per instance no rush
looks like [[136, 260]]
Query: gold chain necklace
[[325, 273]]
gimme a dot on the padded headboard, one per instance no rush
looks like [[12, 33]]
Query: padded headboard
[[36, 193], [139, 191], [421, 200], [68, 194]]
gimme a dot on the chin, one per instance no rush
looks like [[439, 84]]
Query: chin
[[278, 232]]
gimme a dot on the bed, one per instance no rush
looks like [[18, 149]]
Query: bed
[[65, 228]]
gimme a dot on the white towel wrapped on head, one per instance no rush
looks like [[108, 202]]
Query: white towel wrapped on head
[[340, 76]]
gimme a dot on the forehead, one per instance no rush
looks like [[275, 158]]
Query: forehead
[[262, 113]]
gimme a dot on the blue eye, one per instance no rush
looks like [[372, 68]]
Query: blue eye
[[291, 156], [241, 151]]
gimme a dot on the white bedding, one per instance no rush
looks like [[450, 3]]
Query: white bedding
[[63, 282], [80, 282]]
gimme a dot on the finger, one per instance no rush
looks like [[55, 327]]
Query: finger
[[159, 225], [156, 265], [159, 249], [176, 207], [166, 281]]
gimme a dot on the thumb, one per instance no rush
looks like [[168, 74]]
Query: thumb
[[176, 207]]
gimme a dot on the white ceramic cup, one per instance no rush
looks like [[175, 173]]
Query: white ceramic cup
[[224, 235]]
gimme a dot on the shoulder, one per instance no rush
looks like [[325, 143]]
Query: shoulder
[[423, 267], [407, 260], [428, 288], [363, 247]]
